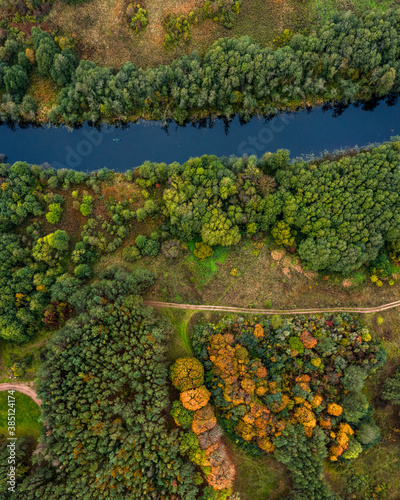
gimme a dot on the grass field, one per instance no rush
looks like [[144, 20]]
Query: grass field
[[103, 35], [27, 415]]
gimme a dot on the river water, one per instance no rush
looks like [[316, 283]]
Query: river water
[[304, 133]]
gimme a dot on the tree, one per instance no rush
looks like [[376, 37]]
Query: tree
[[16, 81], [46, 52], [187, 373], [353, 378], [54, 213], [63, 67], [83, 271]]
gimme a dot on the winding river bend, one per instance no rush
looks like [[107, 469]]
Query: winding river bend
[[304, 133]]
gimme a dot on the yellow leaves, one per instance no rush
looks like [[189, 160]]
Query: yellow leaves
[[41, 288], [334, 409], [317, 400], [316, 362], [4, 186]]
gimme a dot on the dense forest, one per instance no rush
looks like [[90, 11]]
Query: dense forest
[[345, 59], [336, 214]]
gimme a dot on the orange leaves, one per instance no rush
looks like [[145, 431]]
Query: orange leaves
[[325, 424], [258, 331], [317, 400], [187, 373], [305, 416], [308, 340], [194, 399], [334, 409], [248, 385]]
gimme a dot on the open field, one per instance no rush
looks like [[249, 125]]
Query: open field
[[103, 34], [27, 414]]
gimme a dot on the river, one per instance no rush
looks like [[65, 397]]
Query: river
[[304, 133]]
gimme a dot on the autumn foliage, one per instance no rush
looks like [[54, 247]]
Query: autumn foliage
[[187, 373], [267, 376], [218, 468]]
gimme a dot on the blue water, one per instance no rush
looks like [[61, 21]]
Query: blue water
[[307, 132]]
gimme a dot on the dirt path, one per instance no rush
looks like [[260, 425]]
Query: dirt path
[[359, 310], [25, 389]]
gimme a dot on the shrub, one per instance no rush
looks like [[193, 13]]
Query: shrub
[[187, 373], [391, 389], [141, 241], [137, 16], [131, 253], [141, 214], [223, 11], [171, 249], [178, 28], [202, 251], [353, 450], [151, 248]]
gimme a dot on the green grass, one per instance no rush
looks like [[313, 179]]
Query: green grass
[[21, 353], [179, 344], [27, 415], [207, 268], [258, 478]]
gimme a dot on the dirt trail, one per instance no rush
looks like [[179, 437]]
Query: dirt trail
[[25, 389], [359, 310]]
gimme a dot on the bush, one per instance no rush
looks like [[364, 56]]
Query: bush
[[223, 11], [137, 16], [353, 450], [368, 433], [131, 253], [178, 28], [202, 251], [141, 214], [391, 389], [171, 249], [151, 248]]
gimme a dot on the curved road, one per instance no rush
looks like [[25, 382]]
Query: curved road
[[360, 310], [25, 389]]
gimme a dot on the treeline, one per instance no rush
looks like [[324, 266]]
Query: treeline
[[339, 215], [346, 59], [104, 394]]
